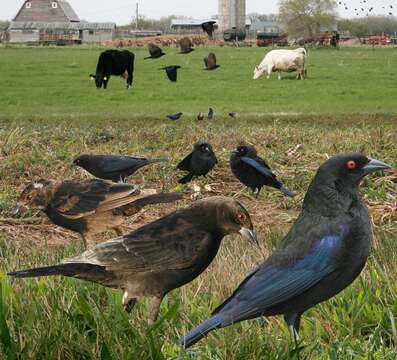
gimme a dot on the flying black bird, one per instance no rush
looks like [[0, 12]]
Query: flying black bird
[[253, 171], [113, 167], [89, 207], [199, 162], [208, 27], [175, 116], [210, 115], [172, 72], [210, 62], [324, 251], [160, 256], [155, 52], [185, 45]]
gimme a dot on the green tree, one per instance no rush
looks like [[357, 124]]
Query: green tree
[[305, 17]]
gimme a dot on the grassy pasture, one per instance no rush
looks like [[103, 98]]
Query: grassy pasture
[[49, 112]]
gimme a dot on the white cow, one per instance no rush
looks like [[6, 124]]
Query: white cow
[[282, 60]]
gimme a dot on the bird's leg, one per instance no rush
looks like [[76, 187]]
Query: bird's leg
[[257, 193], [128, 302], [84, 241], [154, 308], [88, 240]]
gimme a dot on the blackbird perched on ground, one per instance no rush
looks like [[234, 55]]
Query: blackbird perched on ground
[[200, 116], [160, 256], [185, 45], [324, 251], [210, 62], [172, 72], [253, 171], [89, 207], [199, 162], [208, 27], [155, 52], [176, 116], [210, 115], [113, 167]]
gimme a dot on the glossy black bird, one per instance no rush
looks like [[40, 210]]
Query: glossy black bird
[[89, 207], [172, 72], [209, 28], [113, 167], [324, 251], [176, 116], [210, 115], [253, 171], [199, 162], [160, 256], [210, 62], [185, 45], [155, 52]]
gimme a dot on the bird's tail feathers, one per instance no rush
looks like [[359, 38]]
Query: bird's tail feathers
[[287, 192], [68, 269], [186, 179], [200, 331], [157, 160]]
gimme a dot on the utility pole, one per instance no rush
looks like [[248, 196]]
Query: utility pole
[[137, 15]]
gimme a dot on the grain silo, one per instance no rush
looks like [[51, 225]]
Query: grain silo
[[231, 14]]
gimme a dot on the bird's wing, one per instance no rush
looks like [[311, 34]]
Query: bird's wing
[[77, 200], [270, 285], [155, 247], [185, 164], [122, 163], [171, 73], [154, 50], [211, 60], [259, 166]]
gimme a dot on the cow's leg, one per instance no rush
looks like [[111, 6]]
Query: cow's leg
[[269, 70], [279, 75], [130, 77]]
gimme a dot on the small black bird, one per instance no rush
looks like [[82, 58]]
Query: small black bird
[[324, 251], [155, 52], [89, 207], [113, 167], [210, 115], [253, 171], [209, 28], [175, 116], [210, 62], [185, 45], [158, 257], [172, 72], [199, 162]]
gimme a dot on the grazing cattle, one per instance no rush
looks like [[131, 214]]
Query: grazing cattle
[[114, 62], [282, 60]]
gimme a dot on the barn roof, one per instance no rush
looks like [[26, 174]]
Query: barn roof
[[30, 25], [189, 22], [68, 10]]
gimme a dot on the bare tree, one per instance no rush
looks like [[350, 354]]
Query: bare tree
[[305, 17]]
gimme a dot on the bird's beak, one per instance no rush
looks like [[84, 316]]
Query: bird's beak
[[235, 152], [375, 165], [16, 210], [249, 234]]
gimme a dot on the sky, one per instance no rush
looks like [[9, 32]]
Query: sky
[[122, 11]]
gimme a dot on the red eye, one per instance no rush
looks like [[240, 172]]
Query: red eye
[[351, 164]]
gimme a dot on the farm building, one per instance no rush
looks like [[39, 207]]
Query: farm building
[[55, 21], [188, 25], [231, 14]]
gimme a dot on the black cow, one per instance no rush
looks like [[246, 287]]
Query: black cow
[[114, 62]]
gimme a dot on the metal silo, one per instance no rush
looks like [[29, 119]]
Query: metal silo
[[231, 14]]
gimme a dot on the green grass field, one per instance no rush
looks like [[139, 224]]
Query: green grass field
[[50, 111]]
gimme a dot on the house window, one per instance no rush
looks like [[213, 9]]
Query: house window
[[28, 5], [54, 5]]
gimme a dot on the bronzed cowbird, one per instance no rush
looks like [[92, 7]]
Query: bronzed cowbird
[[113, 167], [253, 171], [199, 162], [155, 52], [89, 207], [186, 46], [175, 116], [160, 256], [210, 62], [172, 72], [322, 254]]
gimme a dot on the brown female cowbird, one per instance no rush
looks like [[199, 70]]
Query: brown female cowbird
[[253, 171], [210, 62], [155, 52], [323, 253], [199, 162], [113, 167], [160, 256], [89, 207], [185, 45]]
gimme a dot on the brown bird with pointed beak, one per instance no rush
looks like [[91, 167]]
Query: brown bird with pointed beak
[[89, 207], [158, 257]]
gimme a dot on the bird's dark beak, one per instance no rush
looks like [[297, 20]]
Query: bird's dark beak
[[249, 234], [375, 165]]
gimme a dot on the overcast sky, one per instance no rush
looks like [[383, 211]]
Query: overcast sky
[[122, 11]]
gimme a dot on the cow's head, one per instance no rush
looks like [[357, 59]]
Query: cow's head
[[258, 72], [100, 79]]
